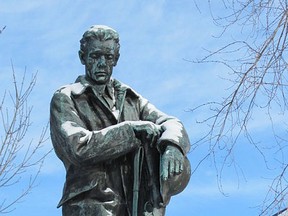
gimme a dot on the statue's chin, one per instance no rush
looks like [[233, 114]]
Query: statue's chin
[[100, 79]]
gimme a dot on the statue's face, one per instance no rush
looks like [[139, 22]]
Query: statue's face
[[99, 60]]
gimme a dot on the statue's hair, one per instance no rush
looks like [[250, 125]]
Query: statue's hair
[[101, 33]]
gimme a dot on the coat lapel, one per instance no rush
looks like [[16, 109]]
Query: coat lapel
[[120, 94]]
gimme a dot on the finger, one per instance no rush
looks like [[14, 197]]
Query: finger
[[147, 132], [153, 141], [158, 130], [177, 167], [164, 169], [171, 168], [154, 138], [181, 166]]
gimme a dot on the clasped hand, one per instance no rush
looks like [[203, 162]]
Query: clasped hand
[[147, 131], [172, 159]]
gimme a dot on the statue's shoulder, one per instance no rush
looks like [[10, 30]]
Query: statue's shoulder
[[76, 88]]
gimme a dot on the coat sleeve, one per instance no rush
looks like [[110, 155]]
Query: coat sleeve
[[73, 142], [173, 130]]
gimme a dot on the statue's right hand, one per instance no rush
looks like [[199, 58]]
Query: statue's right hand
[[147, 131]]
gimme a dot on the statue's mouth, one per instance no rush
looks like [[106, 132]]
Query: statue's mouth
[[100, 73]]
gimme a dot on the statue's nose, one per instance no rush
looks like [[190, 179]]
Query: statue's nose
[[101, 61]]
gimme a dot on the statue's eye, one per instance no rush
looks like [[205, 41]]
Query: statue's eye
[[109, 57], [94, 55]]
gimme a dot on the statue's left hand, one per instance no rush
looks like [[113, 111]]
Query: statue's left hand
[[171, 162]]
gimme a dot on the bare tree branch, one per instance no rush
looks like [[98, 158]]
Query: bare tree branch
[[1, 30], [258, 66], [17, 156]]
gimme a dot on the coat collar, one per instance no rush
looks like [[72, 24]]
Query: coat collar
[[114, 86], [82, 83]]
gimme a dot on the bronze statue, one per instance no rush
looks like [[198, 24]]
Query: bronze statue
[[122, 155]]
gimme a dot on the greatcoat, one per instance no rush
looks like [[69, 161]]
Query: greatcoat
[[99, 170]]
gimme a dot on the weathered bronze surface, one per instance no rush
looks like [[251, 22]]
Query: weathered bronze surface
[[122, 155]]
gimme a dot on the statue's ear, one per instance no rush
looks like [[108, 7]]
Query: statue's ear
[[116, 59], [82, 57]]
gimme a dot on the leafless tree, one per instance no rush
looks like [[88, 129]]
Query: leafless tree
[[254, 50], [19, 156]]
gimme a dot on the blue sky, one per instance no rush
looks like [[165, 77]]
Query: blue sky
[[156, 36]]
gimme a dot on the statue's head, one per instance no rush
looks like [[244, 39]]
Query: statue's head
[[99, 52]]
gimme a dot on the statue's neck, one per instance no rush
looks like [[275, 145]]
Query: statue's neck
[[100, 88]]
